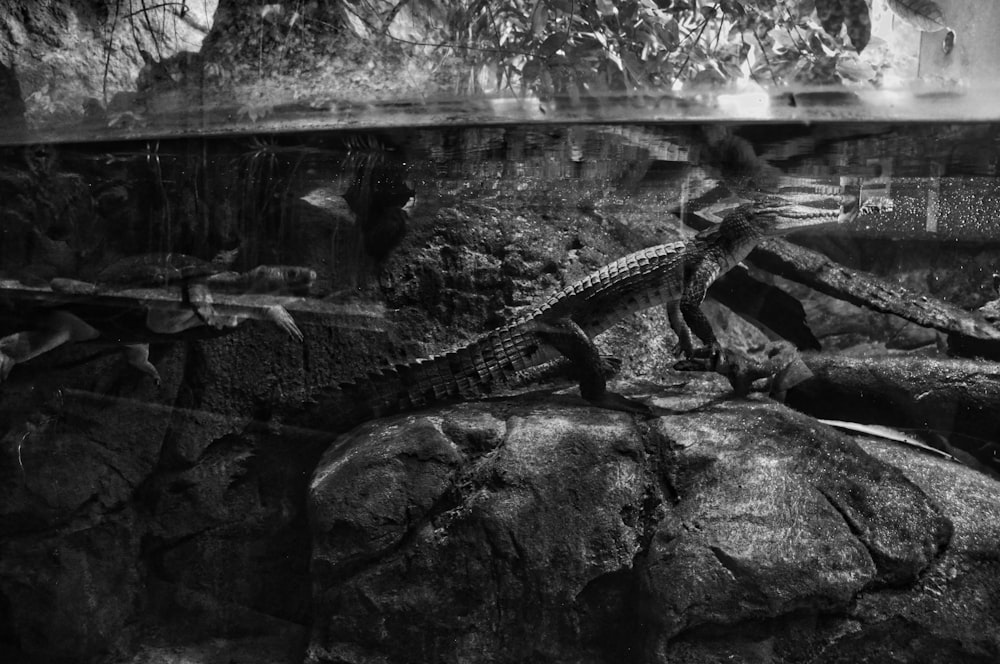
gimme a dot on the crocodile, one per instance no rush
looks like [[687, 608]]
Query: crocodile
[[676, 274], [197, 279], [165, 314]]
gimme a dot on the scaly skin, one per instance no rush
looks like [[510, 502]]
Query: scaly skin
[[263, 279], [676, 274]]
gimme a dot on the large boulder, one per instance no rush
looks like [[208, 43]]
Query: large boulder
[[547, 530]]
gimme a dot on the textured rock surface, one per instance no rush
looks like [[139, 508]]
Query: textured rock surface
[[954, 404], [117, 537], [952, 613], [66, 52], [526, 530]]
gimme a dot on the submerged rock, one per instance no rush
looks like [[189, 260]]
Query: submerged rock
[[534, 528], [547, 530]]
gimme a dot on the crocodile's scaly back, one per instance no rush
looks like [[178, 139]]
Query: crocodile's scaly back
[[638, 281]]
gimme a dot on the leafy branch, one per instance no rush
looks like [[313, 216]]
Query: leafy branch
[[586, 47]]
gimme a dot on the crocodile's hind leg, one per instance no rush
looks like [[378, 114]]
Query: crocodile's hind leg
[[57, 328], [171, 321], [591, 369], [138, 356]]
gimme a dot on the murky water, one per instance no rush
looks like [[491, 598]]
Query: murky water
[[415, 240], [318, 257]]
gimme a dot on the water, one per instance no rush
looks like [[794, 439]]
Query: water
[[414, 241], [417, 240]]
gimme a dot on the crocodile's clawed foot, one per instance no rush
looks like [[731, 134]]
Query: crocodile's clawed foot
[[777, 362], [6, 364], [613, 401], [138, 356], [611, 366], [736, 366], [280, 317], [712, 354]]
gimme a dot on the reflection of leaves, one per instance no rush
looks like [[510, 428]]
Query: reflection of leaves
[[552, 44], [539, 17], [273, 11], [802, 9], [564, 47], [859, 24], [834, 14], [923, 14], [606, 8], [854, 68], [831, 15]]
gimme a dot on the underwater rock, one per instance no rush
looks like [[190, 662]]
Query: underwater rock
[[133, 521], [471, 530], [548, 530], [953, 404], [66, 594], [520, 529]]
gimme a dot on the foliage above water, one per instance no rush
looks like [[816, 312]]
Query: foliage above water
[[585, 47]]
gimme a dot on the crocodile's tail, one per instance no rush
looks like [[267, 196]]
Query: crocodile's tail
[[499, 358], [508, 355]]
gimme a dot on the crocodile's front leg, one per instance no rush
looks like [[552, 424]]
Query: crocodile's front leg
[[697, 322], [684, 345], [592, 370], [686, 316]]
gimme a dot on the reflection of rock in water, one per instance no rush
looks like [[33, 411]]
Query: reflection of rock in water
[[991, 310], [377, 194], [11, 102], [383, 233]]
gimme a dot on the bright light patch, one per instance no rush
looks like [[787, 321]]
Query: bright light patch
[[745, 104], [890, 98]]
